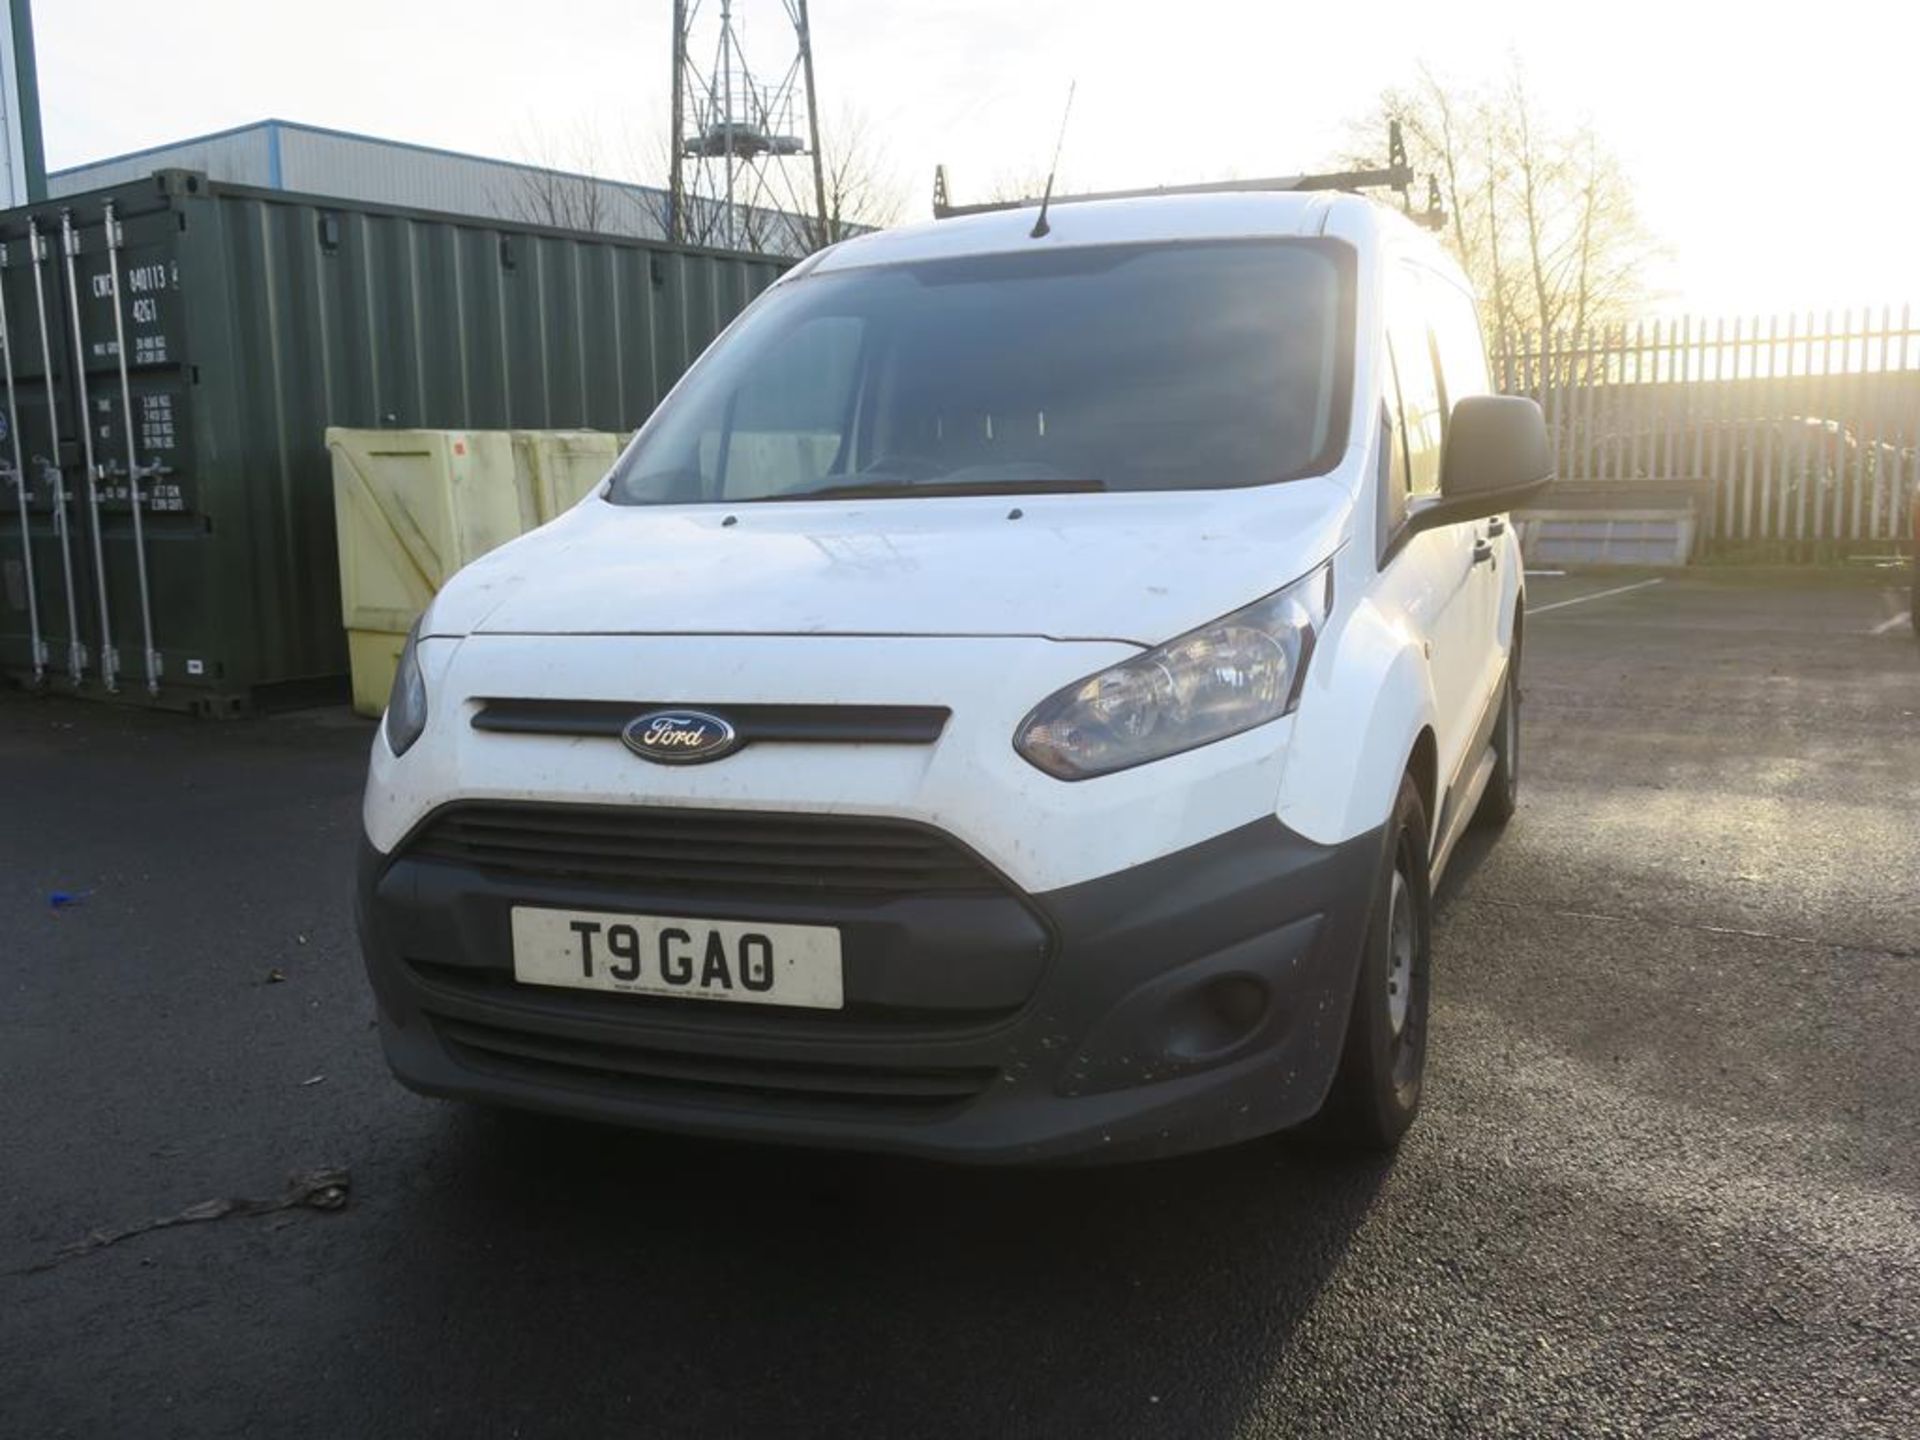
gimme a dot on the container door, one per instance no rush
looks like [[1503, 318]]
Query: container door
[[44, 629], [125, 306]]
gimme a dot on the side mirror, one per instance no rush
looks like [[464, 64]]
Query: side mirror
[[1497, 458]]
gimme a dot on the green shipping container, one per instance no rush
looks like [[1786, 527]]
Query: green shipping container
[[249, 321]]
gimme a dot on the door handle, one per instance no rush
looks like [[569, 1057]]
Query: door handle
[[1482, 551], [1496, 526]]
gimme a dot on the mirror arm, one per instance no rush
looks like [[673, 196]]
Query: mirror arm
[[1430, 512]]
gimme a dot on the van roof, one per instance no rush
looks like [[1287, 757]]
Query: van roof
[[1135, 220]]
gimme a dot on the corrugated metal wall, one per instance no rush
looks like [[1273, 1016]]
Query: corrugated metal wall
[[237, 157], [323, 162], [255, 319]]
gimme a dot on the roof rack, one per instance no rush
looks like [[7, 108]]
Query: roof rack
[[1397, 175]]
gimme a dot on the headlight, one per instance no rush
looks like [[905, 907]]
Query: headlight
[[407, 703], [1230, 675]]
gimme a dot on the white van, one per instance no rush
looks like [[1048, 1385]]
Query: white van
[[1011, 702]]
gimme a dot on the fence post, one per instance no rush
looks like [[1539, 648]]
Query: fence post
[[1906, 457], [1796, 407]]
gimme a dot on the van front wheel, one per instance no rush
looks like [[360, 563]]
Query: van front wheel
[[1376, 1091]]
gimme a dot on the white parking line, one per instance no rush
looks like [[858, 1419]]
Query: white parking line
[[1904, 618], [1597, 595]]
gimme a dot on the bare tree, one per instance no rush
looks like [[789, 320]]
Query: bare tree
[[1540, 215], [1497, 288], [861, 190], [1013, 186], [563, 183]]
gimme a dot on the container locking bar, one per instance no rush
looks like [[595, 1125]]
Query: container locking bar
[[135, 470], [50, 467], [16, 472], [109, 656]]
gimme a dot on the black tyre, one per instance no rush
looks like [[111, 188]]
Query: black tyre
[[1502, 794], [1376, 1092]]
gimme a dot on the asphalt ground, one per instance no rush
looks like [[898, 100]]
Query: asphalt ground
[[1667, 1181]]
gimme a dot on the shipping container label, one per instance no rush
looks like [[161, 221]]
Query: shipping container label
[[154, 420], [158, 447], [149, 287], [148, 306]]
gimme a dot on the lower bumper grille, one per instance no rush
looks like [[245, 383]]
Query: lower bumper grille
[[466, 985], [652, 1073]]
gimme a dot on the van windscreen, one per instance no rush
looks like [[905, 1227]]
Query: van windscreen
[[1138, 367]]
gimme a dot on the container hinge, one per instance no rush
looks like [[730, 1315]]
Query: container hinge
[[76, 660], [111, 658], [40, 656], [114, 237], [70, 235], [36, 247]]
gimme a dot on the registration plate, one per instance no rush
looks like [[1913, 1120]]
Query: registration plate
[[795, 965]]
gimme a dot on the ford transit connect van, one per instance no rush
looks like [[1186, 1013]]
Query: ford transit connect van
[[1012, 701]]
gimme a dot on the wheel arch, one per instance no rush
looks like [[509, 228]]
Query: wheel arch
[[1423, 764], [1357, 726]]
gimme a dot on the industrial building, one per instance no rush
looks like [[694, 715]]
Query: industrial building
[[313, 160]]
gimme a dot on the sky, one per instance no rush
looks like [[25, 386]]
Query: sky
[[1772, 145]]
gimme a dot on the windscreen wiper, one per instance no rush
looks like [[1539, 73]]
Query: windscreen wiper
[[889, 489]]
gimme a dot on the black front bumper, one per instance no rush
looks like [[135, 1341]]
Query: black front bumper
[[1194, 1001]]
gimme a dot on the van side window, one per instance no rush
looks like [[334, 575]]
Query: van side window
[[1456, 339], [1420, 410]]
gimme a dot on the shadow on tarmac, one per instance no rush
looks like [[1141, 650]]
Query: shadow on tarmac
[[577, 1270]]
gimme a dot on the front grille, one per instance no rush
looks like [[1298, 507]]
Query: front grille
[[818, 724], [730, 851], [664, 1075]]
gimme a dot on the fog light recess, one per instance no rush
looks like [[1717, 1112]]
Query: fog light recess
[[1211, 1019]]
